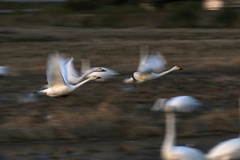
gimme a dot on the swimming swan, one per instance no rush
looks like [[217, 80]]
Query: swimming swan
[[169, 150], [57, 78], [150, 66]]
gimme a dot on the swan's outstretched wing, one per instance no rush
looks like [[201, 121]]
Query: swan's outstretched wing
[[56, 71], [154, 62], [72, 74]]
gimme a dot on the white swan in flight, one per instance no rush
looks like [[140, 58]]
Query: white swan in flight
[[105, 76], [169, 150], [74, 77], [150, 67], [226, 150], [57, 78]]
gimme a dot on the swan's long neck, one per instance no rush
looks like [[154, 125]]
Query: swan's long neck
[[156, 75], [85, 74], [170, 133], [81, 83]]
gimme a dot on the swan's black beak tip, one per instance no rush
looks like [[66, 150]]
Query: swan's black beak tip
[[102, 70]]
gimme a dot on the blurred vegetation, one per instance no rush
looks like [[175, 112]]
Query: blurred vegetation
[[227, 18], [85, 5], [119, 14], [182, 14]]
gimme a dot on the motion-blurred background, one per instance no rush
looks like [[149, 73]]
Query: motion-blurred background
[[112, 120]]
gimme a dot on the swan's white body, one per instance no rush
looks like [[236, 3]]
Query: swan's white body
[[57, 79], [150, 67], [169, 150], [4, 71], [226, 150], [105, 76]]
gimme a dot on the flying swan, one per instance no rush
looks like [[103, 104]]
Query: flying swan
[[57, 79], [169, 150], [150, 66]]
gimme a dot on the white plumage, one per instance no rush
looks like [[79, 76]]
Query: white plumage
[[154, 62], [169, 150], [72, 74], [226, 150]]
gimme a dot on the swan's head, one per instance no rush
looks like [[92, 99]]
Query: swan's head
[[94, 77], [177, 68], [99, 69], [182, 104]]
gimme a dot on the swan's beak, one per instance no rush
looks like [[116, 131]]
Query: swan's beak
[[97, 77], [103, 70], [179, 68]]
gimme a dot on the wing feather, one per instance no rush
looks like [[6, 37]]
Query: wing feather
[[154, 62], [56, 74], [72, 74]]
